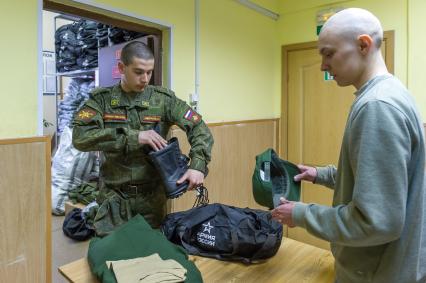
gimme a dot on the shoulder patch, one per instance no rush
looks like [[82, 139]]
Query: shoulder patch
[[163, 90], [192, 116], [85, 114]]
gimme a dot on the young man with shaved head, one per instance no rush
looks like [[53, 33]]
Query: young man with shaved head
[[377, 224], [124, 122]]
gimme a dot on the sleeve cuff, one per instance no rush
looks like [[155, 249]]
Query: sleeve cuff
[[198, 164], [322, 175], [298, 214]]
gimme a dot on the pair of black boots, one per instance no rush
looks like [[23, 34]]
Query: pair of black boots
[[171, 165]]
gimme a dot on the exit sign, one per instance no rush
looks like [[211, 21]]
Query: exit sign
[[319, 29], [327, 76]]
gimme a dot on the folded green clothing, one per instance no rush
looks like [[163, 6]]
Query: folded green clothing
[[85, 193], [150, 269], [136, 239]]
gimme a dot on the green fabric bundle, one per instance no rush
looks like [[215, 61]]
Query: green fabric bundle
[[136, 239], [85, 193]]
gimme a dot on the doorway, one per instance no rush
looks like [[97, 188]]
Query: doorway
[[82, 41]]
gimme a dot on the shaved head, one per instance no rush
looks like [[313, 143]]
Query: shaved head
[[353, 22], [349, 45]]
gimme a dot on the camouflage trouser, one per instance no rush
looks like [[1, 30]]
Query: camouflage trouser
[[117, 207]]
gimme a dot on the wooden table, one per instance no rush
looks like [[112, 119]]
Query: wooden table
[[295, 262]]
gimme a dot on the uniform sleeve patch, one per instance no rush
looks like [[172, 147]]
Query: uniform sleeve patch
[[151, 119], [86, 114], [114, 117], [192, 116]]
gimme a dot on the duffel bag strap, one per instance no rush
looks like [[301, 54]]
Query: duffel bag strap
[[268, 245]]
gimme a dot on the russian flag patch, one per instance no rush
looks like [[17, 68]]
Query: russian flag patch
[[188, 115], [192, 116]]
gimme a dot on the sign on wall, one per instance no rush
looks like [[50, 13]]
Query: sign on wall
[[49, 72]]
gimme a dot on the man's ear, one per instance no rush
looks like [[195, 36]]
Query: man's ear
[[365, 43], [121, 67]]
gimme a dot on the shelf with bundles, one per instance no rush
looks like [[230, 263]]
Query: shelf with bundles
[[80, 72]]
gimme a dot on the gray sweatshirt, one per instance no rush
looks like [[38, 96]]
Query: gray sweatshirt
[[377, 225]]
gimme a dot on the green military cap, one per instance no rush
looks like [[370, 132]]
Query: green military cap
[[273, 179]]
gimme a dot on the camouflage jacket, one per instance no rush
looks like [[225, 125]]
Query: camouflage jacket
[[110, 122]]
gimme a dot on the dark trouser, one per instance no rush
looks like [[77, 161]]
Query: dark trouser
[[118, 205]]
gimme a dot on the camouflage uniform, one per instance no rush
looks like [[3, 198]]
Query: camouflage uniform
[[110, 122]]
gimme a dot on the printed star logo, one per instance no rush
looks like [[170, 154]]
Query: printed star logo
[[207, 227]]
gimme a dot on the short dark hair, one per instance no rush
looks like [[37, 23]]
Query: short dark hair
[[135, 49]]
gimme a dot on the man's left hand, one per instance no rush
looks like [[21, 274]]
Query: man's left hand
[[194, 177], [284, 212]]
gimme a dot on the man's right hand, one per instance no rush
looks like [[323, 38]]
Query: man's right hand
[[307, 173], [153, 139]]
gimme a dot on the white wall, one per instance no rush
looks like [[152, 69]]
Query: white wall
[[49, 109]]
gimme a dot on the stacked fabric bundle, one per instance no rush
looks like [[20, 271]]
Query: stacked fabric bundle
[[102, 35], [76, 46], [150, 269], [66, 46], [118, 35], [76, 94], [88, 44]]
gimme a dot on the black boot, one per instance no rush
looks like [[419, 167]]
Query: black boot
[[171, 164]]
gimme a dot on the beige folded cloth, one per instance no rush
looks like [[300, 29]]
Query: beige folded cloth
[[150, 269]]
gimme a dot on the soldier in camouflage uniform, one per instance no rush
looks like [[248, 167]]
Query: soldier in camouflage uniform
[[119, 122]]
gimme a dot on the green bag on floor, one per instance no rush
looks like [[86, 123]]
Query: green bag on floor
[[136, 239]]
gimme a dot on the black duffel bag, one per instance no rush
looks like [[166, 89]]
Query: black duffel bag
[[225, 232], [75, 226]]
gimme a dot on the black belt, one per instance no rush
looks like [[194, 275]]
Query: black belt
[[135, 189]]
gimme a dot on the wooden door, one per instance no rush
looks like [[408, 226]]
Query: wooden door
[[314, 113]]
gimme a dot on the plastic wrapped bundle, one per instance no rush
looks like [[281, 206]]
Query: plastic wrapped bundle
[[75, 96], [70, 169]]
